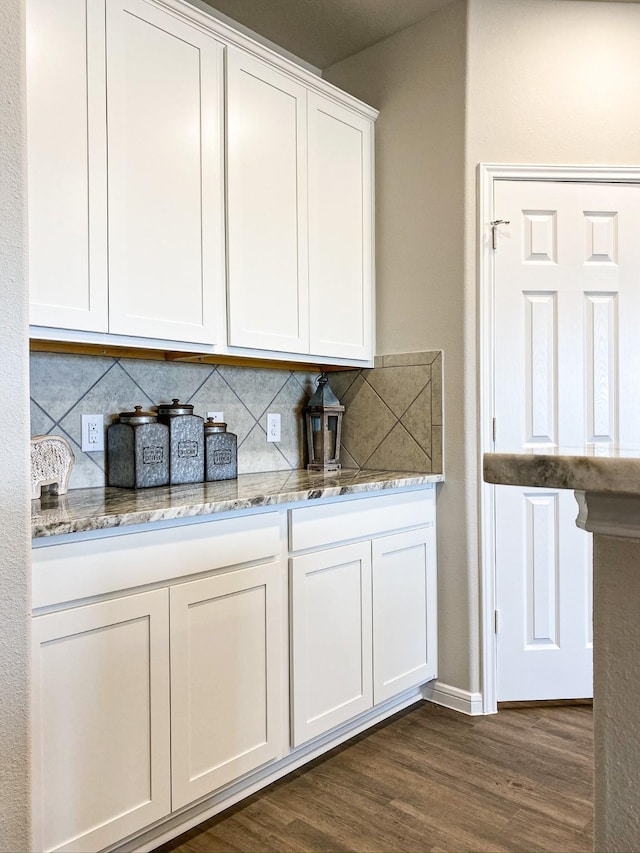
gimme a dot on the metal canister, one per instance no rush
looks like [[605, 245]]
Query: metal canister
[[186, 442], [221, 451], [138, 451]]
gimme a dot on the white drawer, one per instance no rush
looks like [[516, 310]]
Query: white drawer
[[75, 570], [328, 523]]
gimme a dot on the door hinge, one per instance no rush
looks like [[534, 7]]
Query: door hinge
[[493, 429], [495, 621], [494, 228]]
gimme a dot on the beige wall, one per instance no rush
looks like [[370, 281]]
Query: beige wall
[[547, 81], [15, 600], [416, 79]]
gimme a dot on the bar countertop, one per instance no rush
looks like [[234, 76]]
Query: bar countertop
[[595, 468]]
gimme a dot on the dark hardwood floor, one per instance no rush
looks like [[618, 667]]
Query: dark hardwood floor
[[428, 779]]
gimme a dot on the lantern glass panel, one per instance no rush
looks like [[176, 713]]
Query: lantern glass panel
[[316, 434], [333, 429]]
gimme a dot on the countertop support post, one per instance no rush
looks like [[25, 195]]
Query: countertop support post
[[607, 489]]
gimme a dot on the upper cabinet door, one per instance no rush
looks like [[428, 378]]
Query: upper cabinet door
[[340, 231], [66, 152], [266, 196], [166, 192]]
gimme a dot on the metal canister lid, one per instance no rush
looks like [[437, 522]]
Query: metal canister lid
[[138, 417], [176, 408], [214, 426]]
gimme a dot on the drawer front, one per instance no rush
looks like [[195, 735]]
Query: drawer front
[[77, 570], [326, 524]]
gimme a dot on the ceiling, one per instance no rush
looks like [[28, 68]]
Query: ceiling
[[323, 32]]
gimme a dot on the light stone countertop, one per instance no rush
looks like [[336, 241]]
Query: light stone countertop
[[82, 510], [595, 468]]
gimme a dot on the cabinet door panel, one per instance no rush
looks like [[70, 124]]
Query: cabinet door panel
[[166, 241], [266, 174], [404, 612], [67, 161], [225, 666], [100, 722], [340, 231], [331, 638]]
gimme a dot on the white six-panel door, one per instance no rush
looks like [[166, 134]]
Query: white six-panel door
[[567, 374]]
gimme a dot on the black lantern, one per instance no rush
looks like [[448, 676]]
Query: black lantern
[[323, 420]]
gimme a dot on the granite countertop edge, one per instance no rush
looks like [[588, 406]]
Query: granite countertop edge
[[615, 473], [86, 510]]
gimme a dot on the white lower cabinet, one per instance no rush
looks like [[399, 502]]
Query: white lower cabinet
[[363, 615], [100, 721], [170, 688], [405, 637], [330, 638], [225, 684]]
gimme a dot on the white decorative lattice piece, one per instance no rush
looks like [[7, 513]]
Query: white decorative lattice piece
[[51, 463]]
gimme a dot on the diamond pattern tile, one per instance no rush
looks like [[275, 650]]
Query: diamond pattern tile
[[366, 422], [393, 419], [162, 381], [398, 451], [41, 423], [417, 419], [59, 381], [256, 388], [398, 386], [216, 395]]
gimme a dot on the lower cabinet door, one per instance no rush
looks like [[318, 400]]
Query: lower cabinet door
[[100, 722], [405, 633], [225, 678], [330, 638]]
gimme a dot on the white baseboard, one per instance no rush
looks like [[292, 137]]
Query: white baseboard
[[453, 697]]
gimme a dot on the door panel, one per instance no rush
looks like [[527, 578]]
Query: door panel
[[225, 671], [340, 214], [330, 638], [567, 374], [100, 721], [67, 164], [166, 242], [266, 203]]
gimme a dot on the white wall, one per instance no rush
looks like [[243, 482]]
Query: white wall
[[15, 597], [416, 79]]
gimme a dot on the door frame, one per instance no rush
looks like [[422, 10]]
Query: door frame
[[487, 175]]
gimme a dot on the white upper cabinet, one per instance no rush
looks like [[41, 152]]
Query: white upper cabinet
[[163, 216], [266, 204], [164, 101], [340, 230], [67, 162], [299, 217]]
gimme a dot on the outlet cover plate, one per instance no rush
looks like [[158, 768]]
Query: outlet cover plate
[[93, 433], [273, 426]]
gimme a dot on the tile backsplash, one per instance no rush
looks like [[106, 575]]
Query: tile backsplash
[[393, 419], [393, 415]]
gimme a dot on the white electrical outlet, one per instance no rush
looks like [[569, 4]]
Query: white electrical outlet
[[92, 433], [273, 426], [218, 417]]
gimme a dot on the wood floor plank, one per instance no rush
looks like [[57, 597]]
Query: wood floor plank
[[428, 779]]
